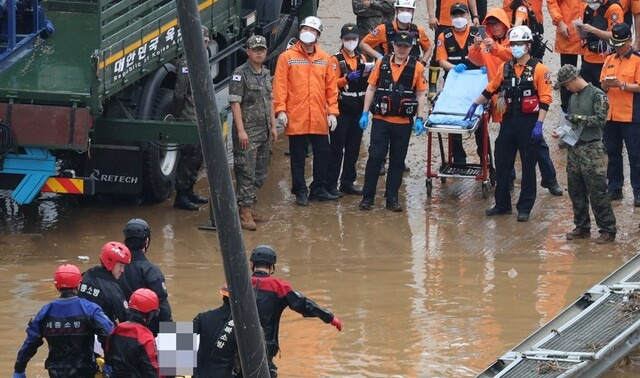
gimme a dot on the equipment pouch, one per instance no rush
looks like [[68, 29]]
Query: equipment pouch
[[408, 107], [530, 104], [383, 105]]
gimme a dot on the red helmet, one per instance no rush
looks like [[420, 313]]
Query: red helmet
[[114, 252], [67, 276], [144, 300]]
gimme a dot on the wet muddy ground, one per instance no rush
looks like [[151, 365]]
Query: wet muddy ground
[[439, 290]]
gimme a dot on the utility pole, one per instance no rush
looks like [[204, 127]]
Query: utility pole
[[236, 268]]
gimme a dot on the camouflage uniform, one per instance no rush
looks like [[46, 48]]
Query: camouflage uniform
[[254, 91], [367, 18], [586, 171], [184, 109]]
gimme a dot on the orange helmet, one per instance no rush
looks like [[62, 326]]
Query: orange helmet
[[114, 252], [144, 300], [67, 276]]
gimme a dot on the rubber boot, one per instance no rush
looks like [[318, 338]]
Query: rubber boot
[[259, 218], [434, 72], [182, 202], [246, 220], [194, 198]]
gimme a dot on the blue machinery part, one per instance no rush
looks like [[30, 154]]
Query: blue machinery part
[[37, 165]]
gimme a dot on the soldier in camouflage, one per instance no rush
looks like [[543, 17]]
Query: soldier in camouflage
[[371, 13], [254, 126], [586, 171], [190, 154]]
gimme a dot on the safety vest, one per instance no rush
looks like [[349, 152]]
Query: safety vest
[[596, 18], [413, 30], [351, 96], [455, 53], [396, 98], [538, 44], [518, 89]]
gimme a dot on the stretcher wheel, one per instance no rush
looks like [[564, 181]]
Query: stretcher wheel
[[443, 180], [485, 190], [429, 184]]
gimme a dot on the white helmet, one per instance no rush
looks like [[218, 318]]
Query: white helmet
[[312, 22], [520, 34], [405, 4]]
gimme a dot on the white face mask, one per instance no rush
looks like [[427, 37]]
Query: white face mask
[[307, 37], [459, 22], [405, 17], [350, 45], [594, 6]]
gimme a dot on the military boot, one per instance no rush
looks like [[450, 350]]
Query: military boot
[[578, 233], [193, 197], [246, 219], [182, 202], [606, 237], [259, 218]]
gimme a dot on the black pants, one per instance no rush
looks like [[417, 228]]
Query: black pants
[[482, 10], [298, 149], [515, 136], [591, 72], [564, 92], [385, 137], [460, 156], [615, 135], [345, 143]]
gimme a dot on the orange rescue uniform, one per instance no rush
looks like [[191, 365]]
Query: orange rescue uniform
[[378, 37], [352, 62], [566, 11], [613, 16], [419, 84], [501, 52], [444, 10], [461, 38], [521, 11], [624, 106], [541, 81], [304, 86]]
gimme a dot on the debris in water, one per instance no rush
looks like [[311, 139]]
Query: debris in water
[[512, 273], [83, 258]]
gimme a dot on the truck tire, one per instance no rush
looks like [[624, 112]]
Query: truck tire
[[160, 162]]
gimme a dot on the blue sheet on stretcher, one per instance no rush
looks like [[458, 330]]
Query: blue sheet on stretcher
[[459, 92]]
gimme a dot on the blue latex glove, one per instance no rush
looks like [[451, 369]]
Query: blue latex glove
[[536, 133], [20, 375], [354, 76], [483, 70], [418, 126], [460, 67], [107, 370], [364, 121], [470, 112]]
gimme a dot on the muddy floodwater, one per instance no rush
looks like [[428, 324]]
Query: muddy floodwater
[[438, 290]]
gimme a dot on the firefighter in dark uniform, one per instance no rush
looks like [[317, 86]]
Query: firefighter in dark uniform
[[452, 53], [273, 295], [395, 92], [100, 283], [141, 273], [524, 90], [218, 350], [621, 80], [131, 348], [598, 19], [349, 66], [68, 324], [190, 154]]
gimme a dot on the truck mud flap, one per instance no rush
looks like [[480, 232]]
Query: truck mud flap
[[115, 169]]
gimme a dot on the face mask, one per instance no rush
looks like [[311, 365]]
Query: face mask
[[350, 45], [459, 22], [405, 17], [594, 6], [307, 37], [518, 51]]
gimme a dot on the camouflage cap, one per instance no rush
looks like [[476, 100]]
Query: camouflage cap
[[256, 41], [566, 73]]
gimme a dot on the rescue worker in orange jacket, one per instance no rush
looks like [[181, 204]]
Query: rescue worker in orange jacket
[[568, 42], [440, 19], [635, 11], [599, 16], [524, 87], [395, 93], [517, 11], [305, 96]]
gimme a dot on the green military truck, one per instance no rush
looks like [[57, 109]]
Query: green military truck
[[85, 109]]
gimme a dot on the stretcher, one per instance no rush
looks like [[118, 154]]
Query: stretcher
[[447, 118]]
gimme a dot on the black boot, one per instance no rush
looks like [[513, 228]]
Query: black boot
[[182, 202], [194, 198]]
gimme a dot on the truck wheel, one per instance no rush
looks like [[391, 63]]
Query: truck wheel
[[160, 161]]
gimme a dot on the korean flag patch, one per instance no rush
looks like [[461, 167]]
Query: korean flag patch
[[236, 78], [185, 70]]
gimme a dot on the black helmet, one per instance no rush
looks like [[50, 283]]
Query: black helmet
[[137, 228], [263, 253]]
